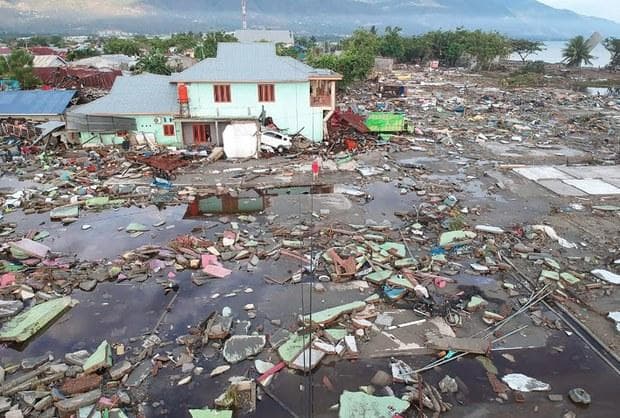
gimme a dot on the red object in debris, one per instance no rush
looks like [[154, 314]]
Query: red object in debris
[[91, 168], [315, 167], [81, 384], [107, 402], [29, 149], [439, 282], [183, 94], [349, 118], [275, 369], [163, 162], [7, 279], [350, 143]]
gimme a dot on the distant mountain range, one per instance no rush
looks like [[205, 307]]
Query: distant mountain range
[[526, 18]]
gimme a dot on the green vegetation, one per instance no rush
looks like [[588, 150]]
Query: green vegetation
[[613, 46], [129, 47], [486, 46], [536, 67], [154, 62], [448, 47], [530, 75], [577, 52], [18, 66], [287, 51], [207, 47], [355, 61], [392, 44], [524, 47], [77, 54]]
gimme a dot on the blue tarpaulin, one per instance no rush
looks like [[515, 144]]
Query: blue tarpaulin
[[34, 102]]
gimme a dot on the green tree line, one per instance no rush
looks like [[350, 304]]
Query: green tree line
[[356, 58]]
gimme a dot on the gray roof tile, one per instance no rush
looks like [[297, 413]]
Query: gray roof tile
[[246, 63], [144, 94]]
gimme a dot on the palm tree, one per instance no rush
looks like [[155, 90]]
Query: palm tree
[[577, 52]]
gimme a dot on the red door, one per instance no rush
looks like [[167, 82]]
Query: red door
[[201, 134]]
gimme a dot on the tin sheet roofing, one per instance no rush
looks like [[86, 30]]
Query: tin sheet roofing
[[145, 94], [247, 63], [34, 102]]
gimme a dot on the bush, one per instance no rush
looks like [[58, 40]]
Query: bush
[[536, 67]]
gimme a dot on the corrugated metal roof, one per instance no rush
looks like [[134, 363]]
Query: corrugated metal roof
[[118, 61], [258, 35], [144, 94], [246, 62], [46, 61], [77, 77], [34, 102]]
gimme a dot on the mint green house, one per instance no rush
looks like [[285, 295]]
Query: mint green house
[[138, 107], [246, 82]]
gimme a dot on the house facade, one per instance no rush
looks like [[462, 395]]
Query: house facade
[[246, 82]]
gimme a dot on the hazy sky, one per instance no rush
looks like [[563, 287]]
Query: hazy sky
[[609, 9]]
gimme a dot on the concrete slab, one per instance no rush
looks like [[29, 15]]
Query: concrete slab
[[560, 188], [615, 182], [406, 336], [592, 172], [594, 186], [527, 153], [542, 172]]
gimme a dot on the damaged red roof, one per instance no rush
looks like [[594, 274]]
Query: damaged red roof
[[77, 77]]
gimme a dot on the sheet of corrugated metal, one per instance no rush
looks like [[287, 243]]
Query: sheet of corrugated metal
[[87, 123], [35, 102]]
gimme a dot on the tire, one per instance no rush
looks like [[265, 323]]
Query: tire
[[280, 150]]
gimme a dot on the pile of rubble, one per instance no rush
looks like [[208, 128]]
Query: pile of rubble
[[408, 268]]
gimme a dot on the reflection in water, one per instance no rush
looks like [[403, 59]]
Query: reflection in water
[[225, 204], [602, 91], [248, 201]]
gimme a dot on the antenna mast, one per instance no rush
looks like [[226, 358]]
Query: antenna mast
[[244, 13]]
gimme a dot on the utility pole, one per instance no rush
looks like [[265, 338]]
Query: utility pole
[[244, 14]]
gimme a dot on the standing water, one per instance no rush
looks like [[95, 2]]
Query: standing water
[[553, 54]]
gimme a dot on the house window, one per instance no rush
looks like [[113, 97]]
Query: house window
[[201, 134], [221, 93], [266, 93], [168, 130]]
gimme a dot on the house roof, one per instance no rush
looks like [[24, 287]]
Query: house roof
[[144, 94], [45, 50], [107, 61], [34, 102], [77, 77], [260, 35], [47, 61], [248, 63]]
